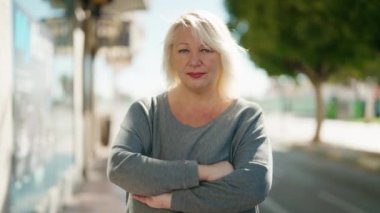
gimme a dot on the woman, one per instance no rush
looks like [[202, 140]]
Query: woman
[[194, 148]]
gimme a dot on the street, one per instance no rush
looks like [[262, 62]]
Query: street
[[309, 183]]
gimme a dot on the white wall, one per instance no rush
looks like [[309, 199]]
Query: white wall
[[78, 96], [6, 70]]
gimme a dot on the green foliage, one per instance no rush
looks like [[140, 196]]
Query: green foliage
[[372, 70], [317, 38], [368, 70]]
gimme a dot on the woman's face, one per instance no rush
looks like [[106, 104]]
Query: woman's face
[[198, 66]]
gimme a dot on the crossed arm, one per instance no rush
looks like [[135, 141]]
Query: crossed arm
[[207, 173], [139, 174], [186, 186]]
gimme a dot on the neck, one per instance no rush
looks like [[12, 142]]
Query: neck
[[204, 98], [196, 109]]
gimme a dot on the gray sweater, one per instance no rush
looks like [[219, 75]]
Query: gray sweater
[[154, 153]]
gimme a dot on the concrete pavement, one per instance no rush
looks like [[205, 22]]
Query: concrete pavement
[[289, 129], [357, 143], [97, 195]]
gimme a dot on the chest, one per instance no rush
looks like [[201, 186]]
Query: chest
[[206, 145], [196, 117]]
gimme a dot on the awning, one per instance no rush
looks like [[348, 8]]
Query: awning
[[121, 6]]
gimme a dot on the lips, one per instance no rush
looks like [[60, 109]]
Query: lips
[[196, 74]]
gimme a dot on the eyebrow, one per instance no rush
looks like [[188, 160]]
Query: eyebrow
[[182, 43]]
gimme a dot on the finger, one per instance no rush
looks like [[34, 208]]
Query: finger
[[140, 198]]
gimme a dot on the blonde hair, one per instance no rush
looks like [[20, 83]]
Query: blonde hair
[[212, 32]]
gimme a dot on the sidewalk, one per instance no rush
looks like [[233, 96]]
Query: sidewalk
[[289, 129], [356, 143], [97, 195]]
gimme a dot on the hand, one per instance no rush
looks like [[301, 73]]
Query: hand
[[162, 201], [214, 171]]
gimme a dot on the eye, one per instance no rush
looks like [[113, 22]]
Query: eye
[[207, 50], [183, 50]]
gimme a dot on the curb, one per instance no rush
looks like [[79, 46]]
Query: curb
[[366, 160]]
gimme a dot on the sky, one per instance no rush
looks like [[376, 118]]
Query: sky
[[144, 77]]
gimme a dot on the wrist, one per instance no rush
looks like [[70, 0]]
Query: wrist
[[202, 172], [169, 201]]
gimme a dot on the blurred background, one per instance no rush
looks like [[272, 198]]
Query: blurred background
[[70, 68]]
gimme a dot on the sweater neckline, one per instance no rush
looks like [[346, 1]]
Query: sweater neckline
[[186, 126]]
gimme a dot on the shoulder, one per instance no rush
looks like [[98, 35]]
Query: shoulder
[[245, 106], [247, 113], [142, 111], [146, 105]]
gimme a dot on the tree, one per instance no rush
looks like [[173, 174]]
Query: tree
[[315, 38]]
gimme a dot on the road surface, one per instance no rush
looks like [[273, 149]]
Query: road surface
[[309, 183]]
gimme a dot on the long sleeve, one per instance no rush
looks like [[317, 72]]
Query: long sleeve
[[129, 166], [244, 188]]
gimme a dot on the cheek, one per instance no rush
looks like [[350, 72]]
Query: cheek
[[180, 62], [215, 64], [175, 62]]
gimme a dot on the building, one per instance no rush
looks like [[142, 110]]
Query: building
[[46, 93]]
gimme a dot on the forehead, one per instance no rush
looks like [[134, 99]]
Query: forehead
[[185, 35]]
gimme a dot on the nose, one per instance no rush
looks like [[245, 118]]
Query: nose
[[195, 60]]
